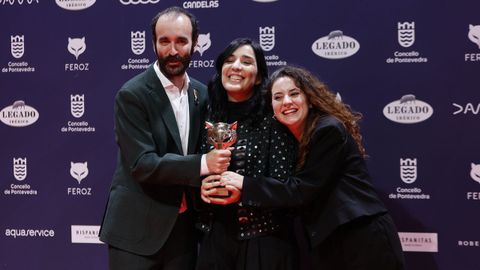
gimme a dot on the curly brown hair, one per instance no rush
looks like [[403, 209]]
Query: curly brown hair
[[322, 102]]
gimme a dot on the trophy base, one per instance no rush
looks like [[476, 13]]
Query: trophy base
[[221, 192]]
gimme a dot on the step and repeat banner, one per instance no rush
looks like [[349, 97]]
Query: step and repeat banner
[[411, 67]]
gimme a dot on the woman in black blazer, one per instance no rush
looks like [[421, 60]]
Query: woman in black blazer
[[348, 227]]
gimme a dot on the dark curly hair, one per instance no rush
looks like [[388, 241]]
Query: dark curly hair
[[323, 102]]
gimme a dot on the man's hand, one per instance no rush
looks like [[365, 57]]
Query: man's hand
[[209, 191], [218, 160]]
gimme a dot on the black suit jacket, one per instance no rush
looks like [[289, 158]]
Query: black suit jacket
[[151, 173], [332, 189]]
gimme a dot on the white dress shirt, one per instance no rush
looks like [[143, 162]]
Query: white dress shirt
[[179, 101]]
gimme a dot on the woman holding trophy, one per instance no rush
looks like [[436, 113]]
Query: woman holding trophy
[[347, 224], [236, 236]]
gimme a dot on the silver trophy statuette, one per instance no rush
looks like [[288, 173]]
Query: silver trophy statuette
[[221, 136]]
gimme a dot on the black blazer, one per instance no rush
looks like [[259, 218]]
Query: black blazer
[[151, 173], [332, 189]]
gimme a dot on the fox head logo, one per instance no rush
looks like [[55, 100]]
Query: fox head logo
[[475, 172], [76, 46], [203, 43], [79, 170], [474, 34]]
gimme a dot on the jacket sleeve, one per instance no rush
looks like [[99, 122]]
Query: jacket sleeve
[[147, 155], [322, 165]]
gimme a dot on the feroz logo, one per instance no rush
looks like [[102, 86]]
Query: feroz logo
[[474, 34], [75, 4], [408, 110], [20, 168], [76, 46], [136, 2], [408, 170], [267, 38], [203, 43], [77, 105], [19, 114], [475, 172], [137, 42], [17, 46], [406, 34], [79, 170], [335, 46]]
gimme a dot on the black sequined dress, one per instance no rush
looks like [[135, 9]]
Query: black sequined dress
[[247, 238]]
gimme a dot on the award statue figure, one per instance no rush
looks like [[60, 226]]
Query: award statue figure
[[221, 136]]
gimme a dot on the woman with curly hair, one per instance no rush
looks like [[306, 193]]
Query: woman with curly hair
[[347, 225]]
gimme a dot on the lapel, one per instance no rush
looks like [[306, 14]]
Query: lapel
[[194, 108], [163, 104]]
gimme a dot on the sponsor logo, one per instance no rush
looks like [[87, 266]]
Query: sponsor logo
[[468, 243], [75, 4], [474, 34], [20, 174], [137, 42], [77, 105], [30, 233], [79, 171], [267, 38], [137, 2], [335, 46], [77, 109], [475, 175], [419, 242], [408, 175], [408, 110], [19, 2], [468, 108], [406, 34], [267, 42], [474, 37], [20, 168], [17, 49], [408, 170], [204, 42], [201, 4], [475, 172], [85, 234], [17, 46], [406, 38], [19, 114], [414, 193], [137, 45], [77, 46]]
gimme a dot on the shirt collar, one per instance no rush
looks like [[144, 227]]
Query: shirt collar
[[166, 83]]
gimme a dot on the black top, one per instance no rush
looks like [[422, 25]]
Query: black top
[[332, 189], [263, 148]]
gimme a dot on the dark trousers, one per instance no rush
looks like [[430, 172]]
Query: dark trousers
[[367, 243], [178, 253], [221, 250]]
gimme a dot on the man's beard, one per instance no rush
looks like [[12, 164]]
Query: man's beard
[[169, 71]]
